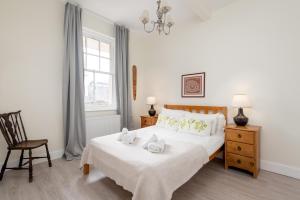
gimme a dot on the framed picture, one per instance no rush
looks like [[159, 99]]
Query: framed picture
[[193, 85]]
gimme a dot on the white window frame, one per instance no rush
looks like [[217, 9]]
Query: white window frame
[[110, 40]]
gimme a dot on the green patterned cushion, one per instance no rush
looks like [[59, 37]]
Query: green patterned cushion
[[196, 126], [167, 122]]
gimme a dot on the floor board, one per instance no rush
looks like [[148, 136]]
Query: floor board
[[64, 181]]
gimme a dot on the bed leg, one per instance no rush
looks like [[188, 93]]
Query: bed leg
[[86, 169]]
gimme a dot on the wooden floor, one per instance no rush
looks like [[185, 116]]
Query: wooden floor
[[65, 181]]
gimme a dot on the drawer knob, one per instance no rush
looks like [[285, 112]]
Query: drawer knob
[[239, 148], [239, 136], [251, 164], [239, 161]]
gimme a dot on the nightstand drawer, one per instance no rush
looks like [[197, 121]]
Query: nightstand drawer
[[240, 148], [147, 121], [240, 136], [241, 162]]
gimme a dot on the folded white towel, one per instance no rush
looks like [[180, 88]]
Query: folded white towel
[[122, 134], [151, 140], [157, 147], [127, 137]]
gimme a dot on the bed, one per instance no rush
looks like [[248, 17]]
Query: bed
[[154, 176]]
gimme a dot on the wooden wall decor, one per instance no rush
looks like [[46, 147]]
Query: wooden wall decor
[[134, 81]]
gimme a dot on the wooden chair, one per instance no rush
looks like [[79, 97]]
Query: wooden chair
[[13, 130]]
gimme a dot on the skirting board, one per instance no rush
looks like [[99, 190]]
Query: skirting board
[[278, 168], [54, 155]]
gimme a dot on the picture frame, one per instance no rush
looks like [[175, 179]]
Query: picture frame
[[193, 85]]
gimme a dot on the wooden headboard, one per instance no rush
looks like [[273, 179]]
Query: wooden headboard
[[200, 109]]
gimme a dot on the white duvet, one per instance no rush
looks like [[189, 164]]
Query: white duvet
[[147, 175]]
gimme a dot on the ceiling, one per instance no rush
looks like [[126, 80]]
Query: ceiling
[[128, 12]]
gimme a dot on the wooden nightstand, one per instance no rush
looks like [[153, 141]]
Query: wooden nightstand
[[148, 121], [242, 148]]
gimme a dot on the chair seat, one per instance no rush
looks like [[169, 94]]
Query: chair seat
[[30, 144]]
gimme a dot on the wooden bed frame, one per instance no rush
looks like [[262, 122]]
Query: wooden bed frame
[[190, 108]]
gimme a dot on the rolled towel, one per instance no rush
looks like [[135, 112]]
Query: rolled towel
[[128, 138], [124, 130], [151, 140], [122, 134], [157, 147]]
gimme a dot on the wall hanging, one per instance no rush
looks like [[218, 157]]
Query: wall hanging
[[134, 81], [193, 85]]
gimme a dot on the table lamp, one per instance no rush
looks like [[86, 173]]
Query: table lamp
[[151, 101], [241, 101]]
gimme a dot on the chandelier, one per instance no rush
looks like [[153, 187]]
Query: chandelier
[[163, 23]]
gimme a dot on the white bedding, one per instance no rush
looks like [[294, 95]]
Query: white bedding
[[151, 176]]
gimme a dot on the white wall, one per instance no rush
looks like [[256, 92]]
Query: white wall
[[97, 23], [31, 57], [31, 61], [251, 46]]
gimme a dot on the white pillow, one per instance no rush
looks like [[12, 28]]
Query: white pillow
[[221, 122], [173, 113], [195, 126]]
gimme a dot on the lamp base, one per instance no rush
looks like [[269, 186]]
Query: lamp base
[[152, 112], [240, 119]]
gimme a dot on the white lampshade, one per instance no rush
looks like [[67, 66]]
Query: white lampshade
[[170, 21], [151, 100], [241, 101], [164, 6], [145, 17]]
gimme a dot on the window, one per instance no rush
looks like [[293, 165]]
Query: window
[[99, 72]]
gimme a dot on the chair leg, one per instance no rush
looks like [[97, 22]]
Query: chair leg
[[48, 156], [4, 165], [30, 166], [21, 159]]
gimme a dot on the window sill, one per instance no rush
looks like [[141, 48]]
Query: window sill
[[97, 108], [100, 110], [99, 113]]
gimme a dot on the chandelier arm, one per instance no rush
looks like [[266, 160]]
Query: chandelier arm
[[151, 30]]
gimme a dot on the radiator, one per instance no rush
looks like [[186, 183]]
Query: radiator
[[102, 125]]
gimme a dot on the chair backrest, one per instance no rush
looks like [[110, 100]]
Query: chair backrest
[[12, 128]]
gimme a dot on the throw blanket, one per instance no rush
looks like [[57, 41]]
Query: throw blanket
[[148, 176]]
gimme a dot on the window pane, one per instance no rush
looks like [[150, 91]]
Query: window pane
[[103, 89], [104, 65], [88, 87], [105, 50], [84, 47], [92, 62], [92, 46]]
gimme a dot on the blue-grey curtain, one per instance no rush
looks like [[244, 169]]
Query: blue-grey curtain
[[73, 84], [122, 75]]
